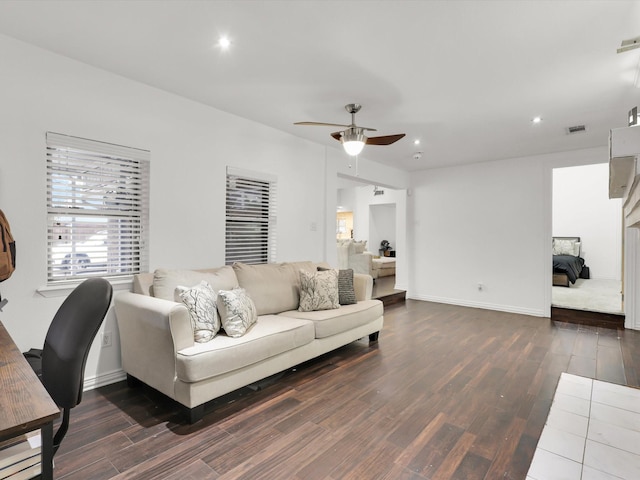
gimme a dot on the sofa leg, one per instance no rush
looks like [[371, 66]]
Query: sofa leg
[[133, 382], [195, 414], [373, 337]]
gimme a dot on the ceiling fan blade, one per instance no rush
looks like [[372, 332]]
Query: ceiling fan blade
[[337, 135], [385, 140], [320, 124]]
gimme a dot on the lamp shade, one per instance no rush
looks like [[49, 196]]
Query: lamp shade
[[353, 141]]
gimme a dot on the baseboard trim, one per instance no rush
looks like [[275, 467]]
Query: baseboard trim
[[485, 306], [104, 379]]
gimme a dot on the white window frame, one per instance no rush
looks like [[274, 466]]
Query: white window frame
[[97, 210], [250, 217]]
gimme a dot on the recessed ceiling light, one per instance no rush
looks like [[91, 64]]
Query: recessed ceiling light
[[416, 142], [536, 120], [224, 43]]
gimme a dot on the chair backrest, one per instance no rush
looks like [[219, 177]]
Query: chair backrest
[[69, 339]]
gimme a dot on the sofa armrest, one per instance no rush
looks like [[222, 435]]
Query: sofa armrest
[[361, 263], [363, 285], [152, 330]]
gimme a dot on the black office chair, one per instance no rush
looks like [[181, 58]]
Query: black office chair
[[60, 364]]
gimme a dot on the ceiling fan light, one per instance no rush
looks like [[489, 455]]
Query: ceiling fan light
[[353, 148], [353, 142]]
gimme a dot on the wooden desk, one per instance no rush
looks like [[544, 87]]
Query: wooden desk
[[25, 405]]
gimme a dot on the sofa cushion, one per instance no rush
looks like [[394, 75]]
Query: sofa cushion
[[237, 311], [165, 281], [273, 287], [346, 290], [347, 317], [318, 290], [270, 336], [384, 263], [201, 303]]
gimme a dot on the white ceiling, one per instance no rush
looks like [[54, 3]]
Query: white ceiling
[[465, 77]]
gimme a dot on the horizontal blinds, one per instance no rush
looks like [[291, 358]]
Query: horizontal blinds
[[98, 208], [250, 218]]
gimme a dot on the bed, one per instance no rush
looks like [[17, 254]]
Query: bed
[[568, 265]]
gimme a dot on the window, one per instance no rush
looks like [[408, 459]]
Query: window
[[97, 209], [250, 217]]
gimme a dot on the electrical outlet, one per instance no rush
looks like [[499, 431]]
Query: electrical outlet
[[106, 339]]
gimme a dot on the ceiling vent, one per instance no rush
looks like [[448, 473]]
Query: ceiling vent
[[575, 129]]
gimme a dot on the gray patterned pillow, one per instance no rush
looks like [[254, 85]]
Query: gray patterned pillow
[[237, 311], [201, 304], [318, 290], [346, 290]]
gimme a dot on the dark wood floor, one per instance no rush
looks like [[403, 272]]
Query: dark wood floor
[[447, 393]]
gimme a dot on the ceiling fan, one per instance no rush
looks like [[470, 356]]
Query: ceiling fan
[[353, 138]]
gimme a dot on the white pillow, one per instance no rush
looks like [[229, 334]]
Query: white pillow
[[576, 249], [319, 290], [237, 311], [360, 246], [201, 303], [562, 246]]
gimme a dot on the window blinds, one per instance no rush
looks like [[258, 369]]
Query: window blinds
[[250, 217], [97, 209]]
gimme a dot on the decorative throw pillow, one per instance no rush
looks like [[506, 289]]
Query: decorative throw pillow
[[201, 304], [318, 290], [360, 246], [237, 311], [346, 290]]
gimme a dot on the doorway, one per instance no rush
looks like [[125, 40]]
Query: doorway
[[581, 208], [379, 213], [344, 225]]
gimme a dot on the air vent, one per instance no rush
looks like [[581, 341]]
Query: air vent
[[575, 129]]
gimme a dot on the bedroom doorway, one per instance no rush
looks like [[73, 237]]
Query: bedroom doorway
[[587, 231]]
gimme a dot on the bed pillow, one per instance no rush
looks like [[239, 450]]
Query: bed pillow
[[318, 290], [346, 290], [201, 304], [562, 246], [576, 249], [237, 311]]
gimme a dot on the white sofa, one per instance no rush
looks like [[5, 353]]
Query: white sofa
[[383, 267], [157, 337], [352, 254]]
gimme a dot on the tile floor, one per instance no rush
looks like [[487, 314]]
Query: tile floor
[[592, 433]]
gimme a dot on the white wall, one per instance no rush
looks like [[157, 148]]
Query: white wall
[[382, 226], [346, 199], [487, 223], [397, 199], [581, 207], [191, 145]]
